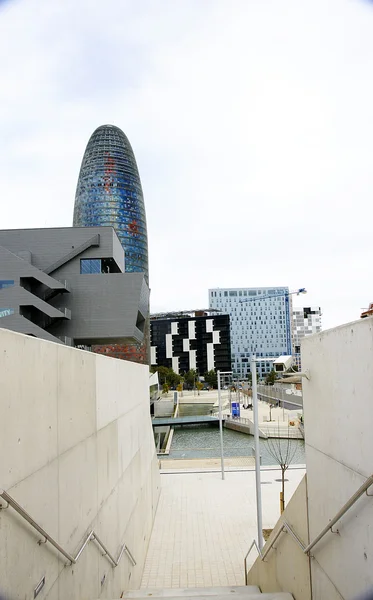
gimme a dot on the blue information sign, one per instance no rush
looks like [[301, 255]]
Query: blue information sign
[[235, 409]]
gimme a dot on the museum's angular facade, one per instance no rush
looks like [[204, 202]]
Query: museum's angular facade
[[68, 285], [109, 192]]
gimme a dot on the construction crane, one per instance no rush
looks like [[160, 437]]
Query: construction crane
[[281, 295], [367, 312]]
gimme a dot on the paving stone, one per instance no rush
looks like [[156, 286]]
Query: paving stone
[[204, 526]]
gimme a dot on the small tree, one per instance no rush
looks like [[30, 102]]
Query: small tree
[[282, 451], [163, 373], [199, 386], [271, 378], [167, 375], [173, 379], [211, 379], [165, 388], [190, 377]]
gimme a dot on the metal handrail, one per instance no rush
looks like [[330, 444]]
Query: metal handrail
[[284, 527], [362, 489], [91, 536], [306, 549]]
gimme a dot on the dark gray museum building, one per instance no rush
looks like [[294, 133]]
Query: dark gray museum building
[[199, 340], [68, 285]]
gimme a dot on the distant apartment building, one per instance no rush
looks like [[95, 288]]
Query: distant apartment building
[[260, 323], [306, 321], [197, 340]]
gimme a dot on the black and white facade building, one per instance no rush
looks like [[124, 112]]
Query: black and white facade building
[[196, 340]]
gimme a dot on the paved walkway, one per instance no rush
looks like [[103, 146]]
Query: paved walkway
[[207, 464], [204, 526]]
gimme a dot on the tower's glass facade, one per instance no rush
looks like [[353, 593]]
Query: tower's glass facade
[[109, 193]]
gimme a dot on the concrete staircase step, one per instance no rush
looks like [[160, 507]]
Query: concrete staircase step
[[220, 593], [234, 590]]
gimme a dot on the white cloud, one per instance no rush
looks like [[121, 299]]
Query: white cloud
[[250, 121]]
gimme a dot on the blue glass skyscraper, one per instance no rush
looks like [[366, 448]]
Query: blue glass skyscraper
[[109, 193]]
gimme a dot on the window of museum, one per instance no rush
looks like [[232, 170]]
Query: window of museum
[[90, 265]]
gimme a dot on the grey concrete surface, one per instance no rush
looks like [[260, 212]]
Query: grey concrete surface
[[204, 526], [77, 454]]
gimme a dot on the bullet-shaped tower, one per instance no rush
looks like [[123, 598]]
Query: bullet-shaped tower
[[109, 193]]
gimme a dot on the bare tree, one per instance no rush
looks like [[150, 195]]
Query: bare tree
[[283, 449]]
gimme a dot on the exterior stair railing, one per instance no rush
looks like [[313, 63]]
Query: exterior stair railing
[[90, 537], [285, 527]]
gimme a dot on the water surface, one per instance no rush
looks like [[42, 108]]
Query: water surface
[[203, 441]]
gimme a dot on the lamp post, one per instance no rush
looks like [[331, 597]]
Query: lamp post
[[253, 362], [221, 422], [257, 452]]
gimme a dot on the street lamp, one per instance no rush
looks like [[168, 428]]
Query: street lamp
[[257, 454], [253, 362], [221, 422]]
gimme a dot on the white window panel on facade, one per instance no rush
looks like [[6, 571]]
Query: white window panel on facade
[[192, 330], [186, 345], [153, 355], [209, 325], [175, 364], [175, 328], [193, 359], [210, 357], [168, 345]]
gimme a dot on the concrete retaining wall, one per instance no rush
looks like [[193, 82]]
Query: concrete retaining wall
[[77, 452], [246, 426], [164, 408], [286, 568], [241, 427], [338, 420]]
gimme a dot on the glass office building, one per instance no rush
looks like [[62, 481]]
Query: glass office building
[[260, 324], [109, 193]]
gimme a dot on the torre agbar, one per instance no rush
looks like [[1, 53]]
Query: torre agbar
[[109, 193]]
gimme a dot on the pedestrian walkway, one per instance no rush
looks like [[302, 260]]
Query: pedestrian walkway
[[207, 464], [204, 526]]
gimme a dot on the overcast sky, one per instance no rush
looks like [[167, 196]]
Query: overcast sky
[[251, 122]]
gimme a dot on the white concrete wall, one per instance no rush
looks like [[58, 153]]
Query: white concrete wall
[[164, 408], [77, 452], [338, 417], [286, 568]]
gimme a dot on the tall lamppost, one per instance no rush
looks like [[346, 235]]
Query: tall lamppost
[[253, 363], [219, 373]]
